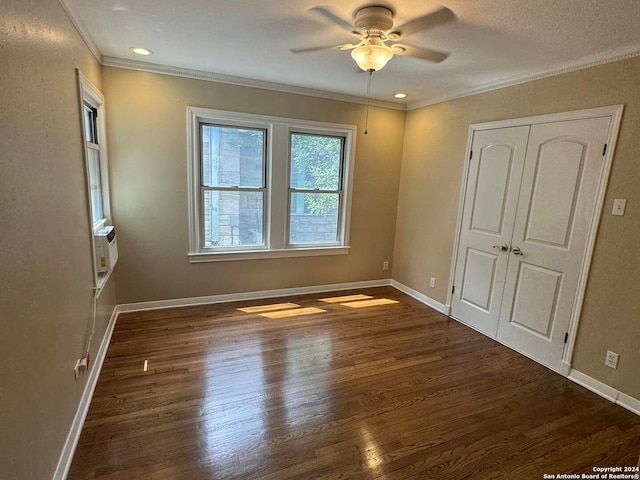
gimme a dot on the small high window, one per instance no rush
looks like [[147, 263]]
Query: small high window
[[95, 155], [92, 147]]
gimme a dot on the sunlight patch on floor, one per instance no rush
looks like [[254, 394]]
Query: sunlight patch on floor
[[370, 303], [292, 313], [268, 308], [347, 298]]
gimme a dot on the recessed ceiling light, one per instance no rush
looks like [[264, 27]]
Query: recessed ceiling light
[[400, 95], [141, 51]]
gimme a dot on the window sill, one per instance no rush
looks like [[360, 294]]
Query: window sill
[[98, 225], [261, 254]]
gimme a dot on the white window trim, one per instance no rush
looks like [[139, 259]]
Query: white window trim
[[240, 123], [276, 225], [89, 93], [340, 191]]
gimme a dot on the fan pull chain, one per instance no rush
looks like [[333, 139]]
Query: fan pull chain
[[366, 121]]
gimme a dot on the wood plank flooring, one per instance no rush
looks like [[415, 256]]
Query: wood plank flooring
[[389, 391]]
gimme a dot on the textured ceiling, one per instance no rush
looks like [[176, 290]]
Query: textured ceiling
[[494, 42]]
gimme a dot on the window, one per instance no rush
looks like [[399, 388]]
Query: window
[[263, 187], [315, 188], [233, 185], [95, 151], [94, 140], [92, 147]]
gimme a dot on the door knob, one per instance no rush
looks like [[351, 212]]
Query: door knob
[[502, 247], [517, 251]]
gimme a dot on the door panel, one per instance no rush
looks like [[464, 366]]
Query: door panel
[[495, 171], [491, 188], [478, 279], [535, 299], [555, 206], [557, 177]]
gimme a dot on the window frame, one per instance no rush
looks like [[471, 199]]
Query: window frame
[[95, 146], [339, 191], [264, 189], [277, 178], [90, 95]]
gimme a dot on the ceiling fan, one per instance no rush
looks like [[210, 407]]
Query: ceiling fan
[[373, 25]]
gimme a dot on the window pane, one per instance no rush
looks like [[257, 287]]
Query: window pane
[[89, 124], [232, 157], [315, 162], [233, 218], [95, 185], [313, 218]]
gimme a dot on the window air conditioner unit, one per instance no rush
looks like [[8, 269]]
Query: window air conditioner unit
[[106, 249]]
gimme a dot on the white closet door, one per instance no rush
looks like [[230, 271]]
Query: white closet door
[[495, 171], [557, 198]]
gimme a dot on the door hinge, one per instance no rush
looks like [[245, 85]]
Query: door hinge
[[566, 337], [604, 150], [471, 155], [453, 289]]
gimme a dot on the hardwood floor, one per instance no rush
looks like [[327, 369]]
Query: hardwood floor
[[390, 391]]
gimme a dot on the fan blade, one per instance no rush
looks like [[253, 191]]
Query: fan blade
[[344, 46], [333, 17], [434, 56], [439, 17]]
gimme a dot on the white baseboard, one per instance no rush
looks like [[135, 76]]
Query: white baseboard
[[236, 297], [440, 307], [83, 408], [596, 386], [628, 402], [605, 391]]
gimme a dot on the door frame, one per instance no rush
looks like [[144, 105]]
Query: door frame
[[615, 113]]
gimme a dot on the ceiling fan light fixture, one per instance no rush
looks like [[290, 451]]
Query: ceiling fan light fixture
[[372, 57]]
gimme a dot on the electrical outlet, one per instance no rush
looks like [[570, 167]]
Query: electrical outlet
[[82, 364], [619, 205], [432, 282], [385, 266], [611, 360]]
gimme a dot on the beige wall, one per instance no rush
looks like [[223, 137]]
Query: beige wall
[[45, 299], [45, 263], [147, 144], [434, 147]]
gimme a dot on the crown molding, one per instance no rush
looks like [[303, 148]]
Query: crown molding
[[213, 77], [82, 31], [241, 81], [586, 62]]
